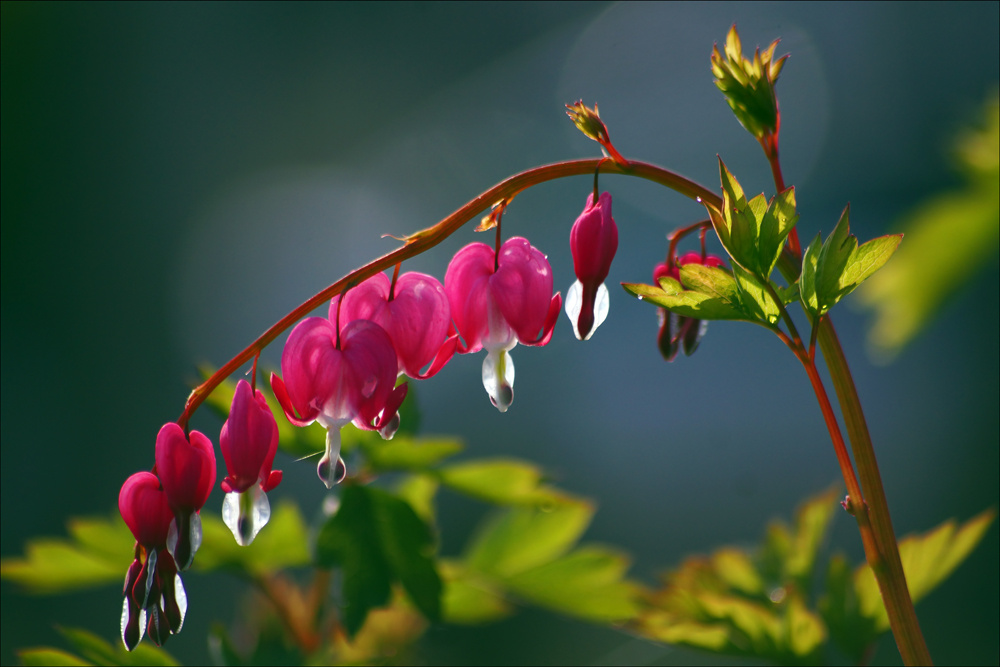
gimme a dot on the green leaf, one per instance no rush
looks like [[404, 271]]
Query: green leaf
[[949, 238], [687, 303], [840, 266], [408, 453], [711, 281], [753, 232], [282, 543], [587, 583], [928, 559], [807, 278], [500, 481], [852, 632], [45, 656], [95, 651], [757, 301], [470, 599], [521, 538], [419, 492], [378, 539], [97, 553]]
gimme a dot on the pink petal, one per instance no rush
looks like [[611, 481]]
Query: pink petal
[[145, 509], [186, 467]]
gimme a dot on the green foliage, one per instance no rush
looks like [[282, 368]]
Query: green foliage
[[949, 237], [714, 294], [834, 269], [97, 553], [499, 481], [94, 651], [283, 543], [752, 232], [377, 540], [760, 603]]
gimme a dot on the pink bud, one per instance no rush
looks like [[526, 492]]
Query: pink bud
[[144, 507], [417, 318], [593, 242], [249, 441], [498, 301], [185, 467], [676, 330]]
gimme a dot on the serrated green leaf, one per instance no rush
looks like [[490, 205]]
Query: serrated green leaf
[[841, 266], [711, 281], [775, 225], [378, 539], [687, 303], [928, 559], [98, 553], [408, 453], [521, 538], [500, 481], [469, 599], [587, 583], [753, 232], [282, 543], [44, 656], [803, 631], [807, 279], [757, 301]]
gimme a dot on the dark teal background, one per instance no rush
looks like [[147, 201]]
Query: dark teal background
[[176, 177]]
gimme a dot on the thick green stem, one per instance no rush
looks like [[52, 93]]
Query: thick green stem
[[892, 583]]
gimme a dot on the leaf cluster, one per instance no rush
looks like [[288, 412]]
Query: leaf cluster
[[779, 603]]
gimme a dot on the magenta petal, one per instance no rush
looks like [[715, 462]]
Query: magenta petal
[[370, 366], [186, 467], [594, 241], [467, 284], [418, 324], [555, 305], [249, 439], [145, 509], [281, 393], [522, 288]]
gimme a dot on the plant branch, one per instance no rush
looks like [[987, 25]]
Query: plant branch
[[430, 237]]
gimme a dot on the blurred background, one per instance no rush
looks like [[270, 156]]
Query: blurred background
[[176, 177]]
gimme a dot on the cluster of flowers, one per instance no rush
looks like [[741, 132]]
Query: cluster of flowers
[[344, 368]]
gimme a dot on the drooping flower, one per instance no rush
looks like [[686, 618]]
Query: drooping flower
[[415, 313], [500, 299], [154, 596], [338, 379], [593, 242], [249, 441], [186, 468], [677, 331]]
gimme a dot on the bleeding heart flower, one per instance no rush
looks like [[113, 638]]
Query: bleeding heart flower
[[153, 594], [415, 313], [593, 242], [186, 467], [335, 380], [677, 331], [497, 301], [249, 441]]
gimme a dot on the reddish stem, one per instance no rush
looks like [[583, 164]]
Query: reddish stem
[[430, 237]]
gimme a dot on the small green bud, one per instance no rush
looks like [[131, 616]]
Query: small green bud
[[749, 85]]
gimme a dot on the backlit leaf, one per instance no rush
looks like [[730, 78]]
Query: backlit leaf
[[377, 539]]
